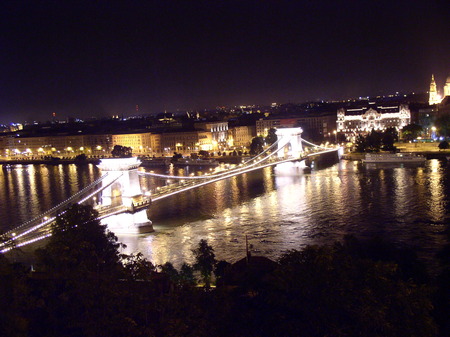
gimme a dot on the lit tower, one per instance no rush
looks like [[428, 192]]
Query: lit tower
[[447, 87], [434, 97], [293, 137], [123, 189]]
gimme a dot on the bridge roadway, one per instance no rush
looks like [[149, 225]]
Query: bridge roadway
[[40, 227]]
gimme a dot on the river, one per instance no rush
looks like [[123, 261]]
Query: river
[[278, 209]]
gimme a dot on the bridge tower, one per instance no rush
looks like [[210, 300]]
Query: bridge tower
[[123, 190], [291, 139]]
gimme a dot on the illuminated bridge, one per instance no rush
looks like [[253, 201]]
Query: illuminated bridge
[[123, 203]]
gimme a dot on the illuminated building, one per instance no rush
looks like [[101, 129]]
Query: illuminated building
[[447, 87], [219, 133], [241, 136], [139, 142], [185, 142], [434, 97], [362, 120], [57, 145]]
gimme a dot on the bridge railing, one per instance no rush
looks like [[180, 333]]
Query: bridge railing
[[59, 206], [40, 225]]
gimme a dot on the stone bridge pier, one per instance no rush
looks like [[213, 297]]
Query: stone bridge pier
[[291, 141], [124, 192]]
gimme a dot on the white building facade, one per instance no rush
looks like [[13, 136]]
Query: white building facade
[[361, 121]]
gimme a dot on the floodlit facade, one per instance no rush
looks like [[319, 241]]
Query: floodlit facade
[[185, 142], [57, 145], [218, 131], [241, 136], [362, 120], [140, 143]]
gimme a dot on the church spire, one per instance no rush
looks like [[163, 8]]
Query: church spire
[[434, 97]]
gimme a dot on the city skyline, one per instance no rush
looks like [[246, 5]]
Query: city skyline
[[104, 58]]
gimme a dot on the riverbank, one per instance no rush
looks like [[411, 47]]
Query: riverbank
[[428, 150], [53, 161]]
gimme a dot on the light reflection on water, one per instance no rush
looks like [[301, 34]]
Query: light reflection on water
[[278, 208], [287, 209]]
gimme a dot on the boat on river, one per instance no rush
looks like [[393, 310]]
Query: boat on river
[[393, 158]]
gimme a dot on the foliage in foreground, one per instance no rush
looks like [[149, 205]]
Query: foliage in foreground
[[85, 287], [377, 140]]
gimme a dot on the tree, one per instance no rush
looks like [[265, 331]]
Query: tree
[[443, 125], [81, 294], [373, 141], [205, 260], [186, 275], [411, 131], [80, 244], [389, 137], [271, 136], [334, 291], [257, 145], [443, 145], [137, 267], [120, 151], [81, 158], [360, 143], [168, 269]]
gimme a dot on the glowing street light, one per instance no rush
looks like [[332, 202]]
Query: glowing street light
[[433, 132]]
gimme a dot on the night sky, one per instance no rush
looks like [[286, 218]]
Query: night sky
[[98, 58]]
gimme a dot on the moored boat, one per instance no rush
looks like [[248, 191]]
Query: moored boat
[[393, 158]]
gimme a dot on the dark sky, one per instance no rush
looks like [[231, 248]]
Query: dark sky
[[86, 58]]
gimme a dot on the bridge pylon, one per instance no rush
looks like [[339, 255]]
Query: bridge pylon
[[291, 140], [124, 192]]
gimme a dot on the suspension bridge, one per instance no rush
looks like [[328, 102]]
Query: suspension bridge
[[123, 203]]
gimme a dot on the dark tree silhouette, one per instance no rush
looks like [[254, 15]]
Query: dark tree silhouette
[[271, 136], [79, 243], [411, 131], [443, 145], [120, 151], [257, 145], [443, 124], [205, 261]]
